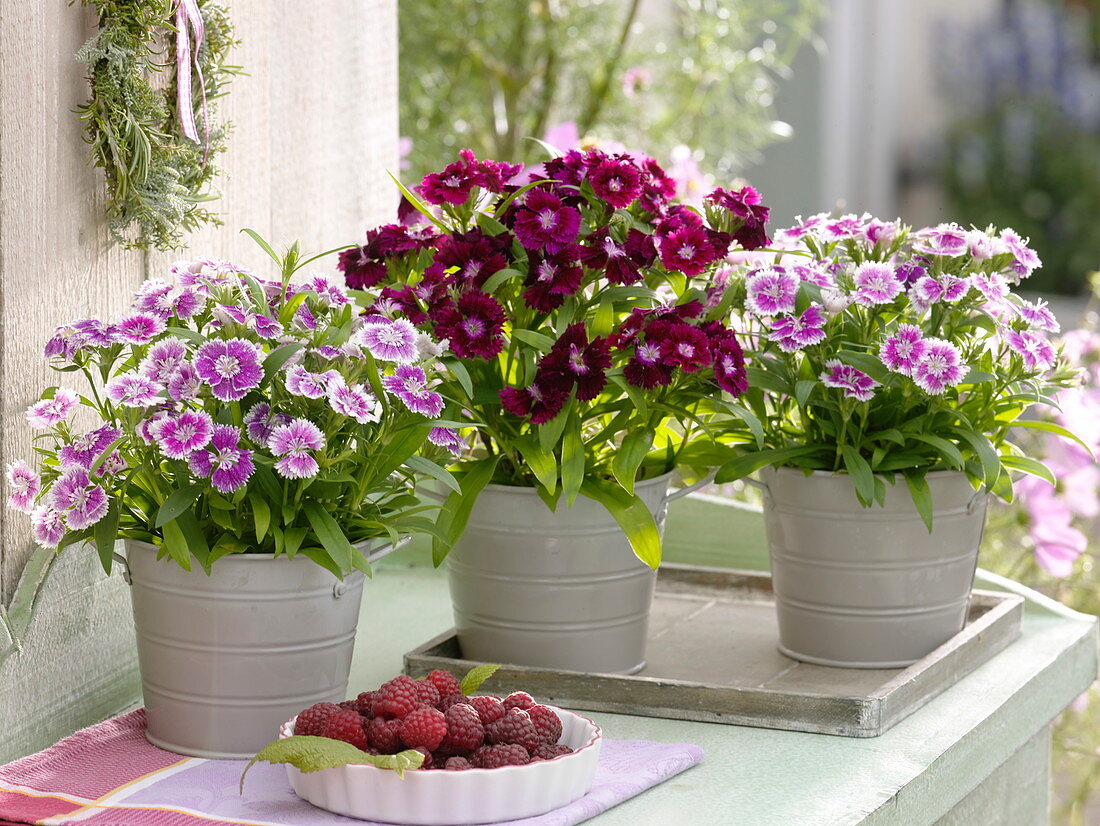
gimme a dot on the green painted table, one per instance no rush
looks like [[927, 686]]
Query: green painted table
[[979, 754]]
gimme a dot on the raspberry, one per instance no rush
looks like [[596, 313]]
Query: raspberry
[[397, 697], [385, 735], [545, 751], [351, 704], [464, 729], [519, 699], [425, 727], [428, 762], [493, 757], [514, 727], [346, 725], [365, 703], [452, 699], [489, 709], [312, 720], [445, 682], [428, 693], [547, 723], [457, 764]]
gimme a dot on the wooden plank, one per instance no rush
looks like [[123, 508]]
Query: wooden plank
[[711, 657]]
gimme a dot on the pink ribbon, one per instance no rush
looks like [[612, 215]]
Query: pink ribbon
[[188, 19]]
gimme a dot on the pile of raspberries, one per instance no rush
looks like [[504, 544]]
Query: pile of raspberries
[[434, 717]]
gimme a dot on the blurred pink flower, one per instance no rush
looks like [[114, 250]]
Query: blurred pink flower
[[563, 136], [635, 79], [404, 147]]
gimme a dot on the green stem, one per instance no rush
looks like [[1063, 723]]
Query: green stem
[[599, 96]]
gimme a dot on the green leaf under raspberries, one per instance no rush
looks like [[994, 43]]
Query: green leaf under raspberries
[[310, 754], [476, 676]]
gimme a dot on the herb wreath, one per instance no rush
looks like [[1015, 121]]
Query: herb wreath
[[157, 178]]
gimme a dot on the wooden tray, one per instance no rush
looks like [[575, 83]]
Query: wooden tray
[[712, 656]]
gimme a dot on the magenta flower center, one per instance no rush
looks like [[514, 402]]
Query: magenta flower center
[[685, 349], [576, 361], [227, 366], [546, 271], [611, 249], [648, 353], [687, 251], [474, 327], [226, 458], [452, 182], [548, 219]]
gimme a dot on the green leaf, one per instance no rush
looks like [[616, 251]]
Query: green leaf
[[329, 533], [860, 471], [1029, 466], [462, 375], [291, 306], [262, 244], [490, 225], [277, 358], [944, 447], [604, 322], [184, 333], [550, 432], [983, 449], [427, 467], [866, 363], [1051, 427], [768, 381], [292, 540], [628, 458], [177, 502], [261, 514], [572, 460], [106, 535], [455, 512], [398, 451], [417, 204], [752, 422], [176, 544], [540, 342], [541, 462], [802, 390], [192, 533], [103, 454], [633, 516], [498, 278], [311, 754], [476, 676], [922, 495], [742, 466]]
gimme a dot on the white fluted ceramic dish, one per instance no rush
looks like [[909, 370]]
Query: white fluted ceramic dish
[[437, 797]]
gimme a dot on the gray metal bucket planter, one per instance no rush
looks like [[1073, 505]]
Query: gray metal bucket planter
[[557, 589], [225, 659], [869, 587]]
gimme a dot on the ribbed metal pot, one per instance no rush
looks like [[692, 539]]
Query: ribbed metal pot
[[226, 658], [557, 589], [869, 587]]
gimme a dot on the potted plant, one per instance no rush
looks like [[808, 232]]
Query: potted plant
[[584, 312], [889, 369], [251, 441]]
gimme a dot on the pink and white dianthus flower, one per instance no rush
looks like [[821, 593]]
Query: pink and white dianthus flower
[[945, 239], [48, 412], [293, 442], [875, 283], [1037, 353], [393, 341], [846, 226], [449, 438], [231, 368], [901, 351], [133, 390], [792, 333], [163, 359], [855, 383], [140, 328], [1037, 313], [85, 449], [223, 460], [771, 292], [410, 385], [48, 526], [24, 485], [184, 384], [180, 436], [259, 421], [265, 326], [939, 367], [82, 502], [329, 292], [355, 402], [981, 246], [880, 232], [1025, 260], [301, 382]]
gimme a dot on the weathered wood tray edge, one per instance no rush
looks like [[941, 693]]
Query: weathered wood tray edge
[[856, 716]]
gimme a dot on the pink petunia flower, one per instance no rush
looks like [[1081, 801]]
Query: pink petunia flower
[[48, 412], [771, 292], [901, 351], [231, 368], [223, 461], [854, 383], [24, 485], [294, 442], [792, 333], [410, 385], [939, 367], [876, 283]]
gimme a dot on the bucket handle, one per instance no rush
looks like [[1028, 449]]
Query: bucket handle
[[681, 492]]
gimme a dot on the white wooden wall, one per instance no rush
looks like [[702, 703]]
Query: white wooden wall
[[315, 128]]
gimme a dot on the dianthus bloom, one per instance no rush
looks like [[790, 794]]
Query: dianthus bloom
[[84, 450], [578, 361], [945, 239], [185, 383], [617, 180], [544, 221], [792, 333], [687, 249], [939, 367], [646, 368], [301, 382], [729, 364], [231, 368], [24, 486], [552, 277], [901, 351], [1025, 261], [473, 324], [1036, 352], [750, 213], [771, 292], [447, 437], [48, 412], [259, 421], [82, 502], [163, 359], [844, 227], [48, 526], [541, 401], [393, 341], [223, 460], [410, 385], [355, 402], [473, 254], [294, 443], [622, 263], [1038, 315], [854, 383], [875, 283], [180, 436], [132, 390], [140, 328]]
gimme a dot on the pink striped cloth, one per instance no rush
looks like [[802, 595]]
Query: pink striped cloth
[[110, 775]]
